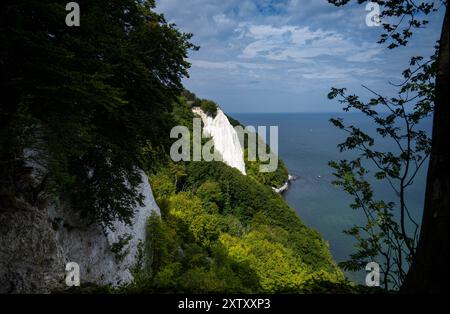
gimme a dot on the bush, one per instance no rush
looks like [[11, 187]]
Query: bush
[[211, 195], [277, 266], [209, 107]]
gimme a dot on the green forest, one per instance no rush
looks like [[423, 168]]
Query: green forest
[[221, 231], [95, 104], [85, 110]]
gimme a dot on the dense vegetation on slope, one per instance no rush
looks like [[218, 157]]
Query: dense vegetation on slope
[[273, 179], [221, 231], [209, 107], [89, 102], [182, 115], [93, 105]]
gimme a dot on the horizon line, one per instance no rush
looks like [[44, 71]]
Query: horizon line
[[290, 112]]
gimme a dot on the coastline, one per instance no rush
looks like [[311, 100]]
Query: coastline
[[285, 186]]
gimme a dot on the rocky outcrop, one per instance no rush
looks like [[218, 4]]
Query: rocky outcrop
[[226, 140], [285, 186], [37, 243]]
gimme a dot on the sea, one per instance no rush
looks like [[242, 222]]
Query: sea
[[306, 143]]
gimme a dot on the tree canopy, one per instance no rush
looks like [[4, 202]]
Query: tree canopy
[[90, 101]]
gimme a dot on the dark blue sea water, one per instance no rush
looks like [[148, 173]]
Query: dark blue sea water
[[307, 142]]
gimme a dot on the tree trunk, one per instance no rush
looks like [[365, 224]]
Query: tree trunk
[[429, 270]]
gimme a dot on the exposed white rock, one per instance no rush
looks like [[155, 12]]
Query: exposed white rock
[[285, 186], [226, 140], [37, 243], [282, 188]]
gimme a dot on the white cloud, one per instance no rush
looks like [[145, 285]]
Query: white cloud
[[368, 55], [222, 19], [230, 65], [273, 49], [299, 44], [328, 73]]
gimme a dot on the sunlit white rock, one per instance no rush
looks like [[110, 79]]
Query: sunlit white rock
[[226, 140], [37, 243]]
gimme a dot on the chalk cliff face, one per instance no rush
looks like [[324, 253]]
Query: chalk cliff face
[[226, 140], [36, 244]]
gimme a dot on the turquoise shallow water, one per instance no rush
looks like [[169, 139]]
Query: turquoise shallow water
[[307, 142]]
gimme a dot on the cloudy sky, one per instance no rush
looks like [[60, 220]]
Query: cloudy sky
[[284, 55]]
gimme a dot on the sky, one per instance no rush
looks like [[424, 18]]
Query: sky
[[285, 55]]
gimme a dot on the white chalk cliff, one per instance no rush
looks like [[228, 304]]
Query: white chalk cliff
[[37, 243], [226, 140]]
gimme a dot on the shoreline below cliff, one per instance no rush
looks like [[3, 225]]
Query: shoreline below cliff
[[285, 186]]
